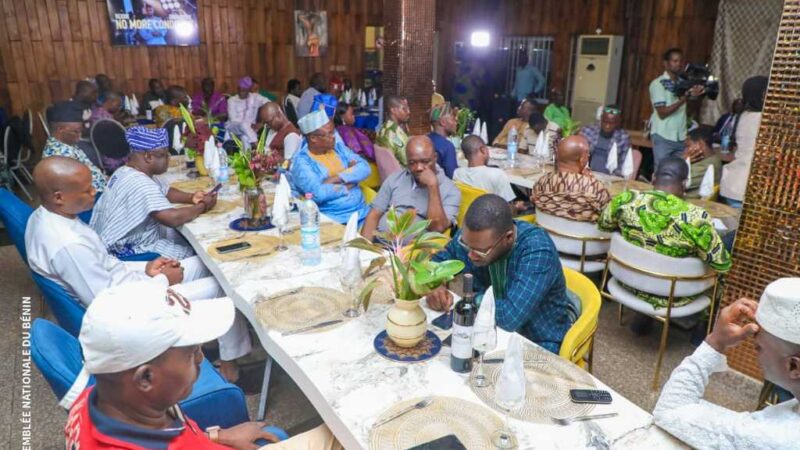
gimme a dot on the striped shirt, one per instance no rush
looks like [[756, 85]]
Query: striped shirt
[[123, 217], [54, 147]]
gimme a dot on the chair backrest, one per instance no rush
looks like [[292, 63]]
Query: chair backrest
[[386, 162], [170, 125], [374, 179], [568, 235], [368, 193], [468, 195], [27, 129], [656, 263], [67, 310], [44, 123], [578, 341], [108, 138], [56, 354], [15, 214], [13, 141]]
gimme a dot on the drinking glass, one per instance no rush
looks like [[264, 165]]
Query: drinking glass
[[350, 279], [509, 395], [280, 224], [484, 339]]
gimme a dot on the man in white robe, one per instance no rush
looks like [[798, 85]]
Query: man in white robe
[[243, 112], [68, 252]]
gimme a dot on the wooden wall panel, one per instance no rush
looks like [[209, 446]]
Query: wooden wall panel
[[46, 46], [649, 27]]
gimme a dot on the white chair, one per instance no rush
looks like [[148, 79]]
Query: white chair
[[44, 123], [581, 239], [660, 275]]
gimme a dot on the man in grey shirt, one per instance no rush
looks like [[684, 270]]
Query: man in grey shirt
[[422, 186]]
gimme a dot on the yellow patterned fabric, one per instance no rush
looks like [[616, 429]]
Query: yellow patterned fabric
[[164, 113], [330, 160]]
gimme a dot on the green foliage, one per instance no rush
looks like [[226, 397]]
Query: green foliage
[[463, 119], [413, 273], [570, 128], [187, 117]]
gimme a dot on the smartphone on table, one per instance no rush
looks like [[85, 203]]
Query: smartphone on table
[[230, 248]]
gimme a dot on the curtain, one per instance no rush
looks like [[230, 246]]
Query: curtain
[[744, 41]]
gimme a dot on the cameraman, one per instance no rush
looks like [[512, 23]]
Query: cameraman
[[668, 123]]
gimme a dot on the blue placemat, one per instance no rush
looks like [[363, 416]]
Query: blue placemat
[[425, 350], [239, 225]]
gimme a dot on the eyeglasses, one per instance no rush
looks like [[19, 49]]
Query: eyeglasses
[[611, 110], [481, 254]]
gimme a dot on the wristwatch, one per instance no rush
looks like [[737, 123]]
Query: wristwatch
[[213, 433]]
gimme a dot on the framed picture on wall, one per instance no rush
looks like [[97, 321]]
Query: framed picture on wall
[[310, 33], [153, 22]]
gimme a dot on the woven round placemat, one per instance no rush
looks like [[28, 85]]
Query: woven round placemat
[[473, 424], [383, 293], [260, 245], [717, 210], [297, 308], [550, 379], [197, 184], [618, 186], [329, 233]]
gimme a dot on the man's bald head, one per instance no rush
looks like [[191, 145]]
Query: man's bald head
[[573, 154], [64, 185], [420, 147], [272, 115], [670, 176]]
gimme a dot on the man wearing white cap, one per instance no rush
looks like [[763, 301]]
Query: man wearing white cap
[[775, 324], [142, 344], [326, 168]]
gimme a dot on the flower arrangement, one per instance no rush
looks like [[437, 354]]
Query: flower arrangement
[[570, 128], [196, 134], [413, 273], [464, 118], [253, 165]]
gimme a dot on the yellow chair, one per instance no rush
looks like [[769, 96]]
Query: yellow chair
[[468, 195], [578, 344], [368, 192], [530, 218], [373, 181]]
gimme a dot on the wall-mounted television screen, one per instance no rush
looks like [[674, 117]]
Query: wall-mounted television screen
[[153, 22]]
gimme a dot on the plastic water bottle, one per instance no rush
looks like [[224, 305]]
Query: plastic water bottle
[[222, 172], [512, 147], [309, 231]]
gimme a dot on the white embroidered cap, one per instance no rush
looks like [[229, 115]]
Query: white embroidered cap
[[779, 309], [313, 121]]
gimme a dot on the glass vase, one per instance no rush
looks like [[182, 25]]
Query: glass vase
[[255, 206]]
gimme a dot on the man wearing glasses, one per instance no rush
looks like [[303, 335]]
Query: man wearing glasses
[[325, 167], [602, 136], [422, 187], [521, 264]]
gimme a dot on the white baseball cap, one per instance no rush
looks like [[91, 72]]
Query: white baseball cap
[[130, 324], [779, 309]]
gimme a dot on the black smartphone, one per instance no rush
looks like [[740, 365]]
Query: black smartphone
[[233, 247], [445, 321], [449, 442], [590, 396], [215, 190]]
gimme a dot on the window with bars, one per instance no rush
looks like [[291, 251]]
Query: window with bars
[[540, 53]]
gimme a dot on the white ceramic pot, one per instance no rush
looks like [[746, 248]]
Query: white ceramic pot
[[406, 323]]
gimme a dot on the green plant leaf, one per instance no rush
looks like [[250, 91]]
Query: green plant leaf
[[404, 222], [262, 141], [187, 117], [438, 273], [362, 243], [374, 266], [366, 293], [416, 228], [238, 143], [391, 221]]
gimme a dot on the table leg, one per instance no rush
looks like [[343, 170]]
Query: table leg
[[262, 399]]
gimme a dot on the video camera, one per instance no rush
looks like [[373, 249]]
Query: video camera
[[693, 75]]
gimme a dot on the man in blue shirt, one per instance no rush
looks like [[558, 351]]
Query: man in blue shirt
[[521, 264], [444, 125], [527, 80]]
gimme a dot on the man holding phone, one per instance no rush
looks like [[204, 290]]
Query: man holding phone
[[66, 251], [136, 213]]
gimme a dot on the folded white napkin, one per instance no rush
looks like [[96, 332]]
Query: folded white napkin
[[484, 134], [280, 208], [688, 181], [485, 317], [211, 157], [627, 166], [351, 256], [126, 103], [541, 145], [511, 384], [155, 104], [177, 145], [611, 160], [363, 99], [134, 105], [476, 129], [707, 185]]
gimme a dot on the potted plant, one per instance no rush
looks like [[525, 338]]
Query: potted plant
[[251, 167], [409, 247], [194, 138]]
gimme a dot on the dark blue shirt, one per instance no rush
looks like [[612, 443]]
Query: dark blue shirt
[[536, 304], [445, 153], [143, 437]]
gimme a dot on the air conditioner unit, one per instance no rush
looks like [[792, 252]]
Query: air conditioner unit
[[597, 66]]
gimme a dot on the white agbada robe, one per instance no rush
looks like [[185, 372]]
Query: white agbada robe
[[242, 114], [70, 253], [682, 412]]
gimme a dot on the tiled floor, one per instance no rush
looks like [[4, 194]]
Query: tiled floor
[[623, 361]]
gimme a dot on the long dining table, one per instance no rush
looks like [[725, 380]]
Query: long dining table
[[346, 380]]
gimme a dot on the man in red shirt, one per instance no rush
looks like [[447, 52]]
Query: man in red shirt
[[141, 341]]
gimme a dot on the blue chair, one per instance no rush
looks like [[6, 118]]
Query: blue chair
[[15, 214], [86, 216], [68, 310], [213, 400]]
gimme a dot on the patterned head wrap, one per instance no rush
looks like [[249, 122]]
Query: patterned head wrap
[[141, 139], [440, 110], [246, 83]]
